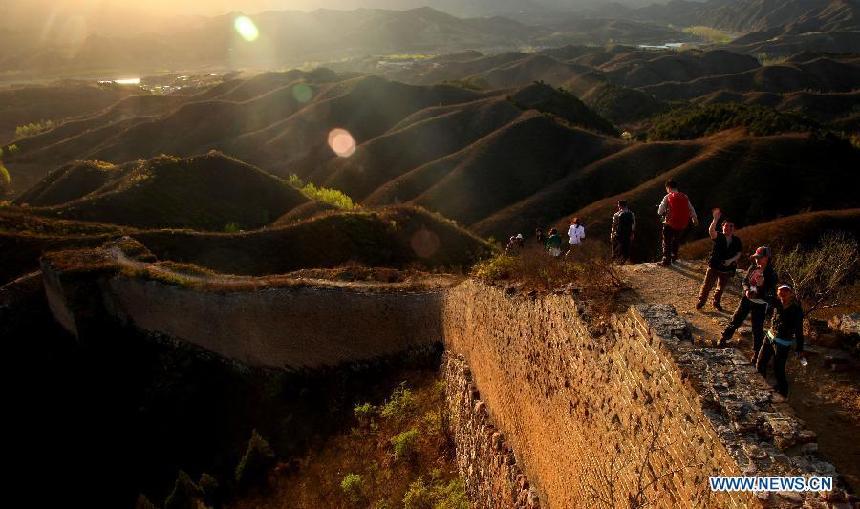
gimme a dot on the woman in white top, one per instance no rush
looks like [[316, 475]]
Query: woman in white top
[[576, 232]]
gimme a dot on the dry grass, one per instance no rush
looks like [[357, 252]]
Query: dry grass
[[586, 272]]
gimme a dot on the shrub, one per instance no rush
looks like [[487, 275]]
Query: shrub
[[365, 413], [418, 496], [256, 462], [819, 273], [496, 268], [451, 495], [5, 178], [689, 122], [33, 128], [400, 405], [333, 197], [231, 228], [352, 486], [405, 445], [185, 494], [432, 422]]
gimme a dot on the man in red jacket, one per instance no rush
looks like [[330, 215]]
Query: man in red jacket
[[677, 213]]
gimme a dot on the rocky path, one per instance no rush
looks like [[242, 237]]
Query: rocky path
[[827, 400]]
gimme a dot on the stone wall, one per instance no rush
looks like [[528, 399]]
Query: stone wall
[[624, 413], [287, 324], [488, 465], [548, 407]]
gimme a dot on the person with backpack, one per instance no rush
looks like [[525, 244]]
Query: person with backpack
[[786, 331], [723, 262], [623, 228], [677, 213], [759, 294]]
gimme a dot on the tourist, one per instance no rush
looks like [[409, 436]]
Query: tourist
[[540, 237], [576, 234], [515, 244], [623, 228], [553, 243], [786, 331], [759, 292], [676, 212], [723, 262]]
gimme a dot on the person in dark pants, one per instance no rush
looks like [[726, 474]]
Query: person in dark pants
[[759, 293], [724, 260], [623, 228], [786, 331], [677, 213]]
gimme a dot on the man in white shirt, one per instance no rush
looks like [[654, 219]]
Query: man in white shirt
[[576, 232]]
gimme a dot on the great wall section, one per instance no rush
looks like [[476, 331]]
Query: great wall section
[[548, 406]]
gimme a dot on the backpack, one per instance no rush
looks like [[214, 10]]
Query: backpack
[[679, 211], [625, 223]]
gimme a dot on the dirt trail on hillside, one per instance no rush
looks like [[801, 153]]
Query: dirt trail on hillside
[[827, 401]]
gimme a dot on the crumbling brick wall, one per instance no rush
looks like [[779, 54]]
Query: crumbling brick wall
[[625, 413], [488, 465]]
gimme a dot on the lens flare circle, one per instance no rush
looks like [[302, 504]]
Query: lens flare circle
[[302, 93], [341, 142], [425, 243], [245, 27]]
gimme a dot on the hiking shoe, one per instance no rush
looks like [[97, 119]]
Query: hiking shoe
[[721, 343], [718, 307], [700, 305], [666, 263]]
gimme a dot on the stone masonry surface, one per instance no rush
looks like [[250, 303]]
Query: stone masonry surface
[[492, 475], [626, 415]]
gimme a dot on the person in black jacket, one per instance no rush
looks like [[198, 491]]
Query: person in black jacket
[[786, 331], [759, 294], [723, 262], [623, 228]]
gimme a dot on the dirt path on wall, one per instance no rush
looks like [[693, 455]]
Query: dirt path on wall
[[827, 401]]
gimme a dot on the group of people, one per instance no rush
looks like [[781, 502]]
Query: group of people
[[551, 241], [763, 297]]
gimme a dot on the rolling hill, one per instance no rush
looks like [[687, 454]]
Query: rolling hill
[[787, 232], [205, 192], [754, 180], [391, 237]]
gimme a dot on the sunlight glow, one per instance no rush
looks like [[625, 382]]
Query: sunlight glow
[[128, 81], [341, 142], [246, 28]]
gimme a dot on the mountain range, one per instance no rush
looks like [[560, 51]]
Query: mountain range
[[292, 38]]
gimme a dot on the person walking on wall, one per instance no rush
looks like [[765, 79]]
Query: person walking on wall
[[553, 243], [786, 331], [677, 213], [723, 262], [575, 233], [623, 228], [759, 293]]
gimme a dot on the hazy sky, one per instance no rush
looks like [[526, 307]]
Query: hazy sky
[[212, 7]]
